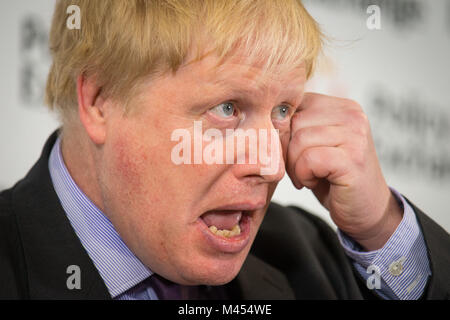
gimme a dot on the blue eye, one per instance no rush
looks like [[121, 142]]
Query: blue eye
[[224, 110], [281, 112]]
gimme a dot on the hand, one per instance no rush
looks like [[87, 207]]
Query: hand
[[331, 152]]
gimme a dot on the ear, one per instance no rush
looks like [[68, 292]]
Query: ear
[[91, 108]]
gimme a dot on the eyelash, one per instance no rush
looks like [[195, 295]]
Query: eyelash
[[228, 103], [236, 112]]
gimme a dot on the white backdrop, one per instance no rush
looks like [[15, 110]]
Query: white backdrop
[[399, 74]]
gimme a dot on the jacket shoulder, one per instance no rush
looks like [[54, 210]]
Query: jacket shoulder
[[307, 250], [12, 266], [437, 241], [290, 223]]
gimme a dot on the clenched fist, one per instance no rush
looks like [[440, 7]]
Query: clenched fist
[[331, 152]]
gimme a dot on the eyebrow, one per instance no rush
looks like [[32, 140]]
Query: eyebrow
[[293, 96], [261, 86]]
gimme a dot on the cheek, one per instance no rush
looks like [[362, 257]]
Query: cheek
[[128, 162], [144, 175], [136, 192], [131, 171]]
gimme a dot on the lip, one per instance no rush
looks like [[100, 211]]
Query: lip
[[242, 206], [228, 245]]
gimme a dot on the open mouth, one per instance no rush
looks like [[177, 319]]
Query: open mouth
[[224, 223], [228, 228]]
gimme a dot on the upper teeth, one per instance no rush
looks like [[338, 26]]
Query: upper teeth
[[226, 233]]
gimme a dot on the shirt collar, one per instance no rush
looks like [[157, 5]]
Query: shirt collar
[[119, 268]]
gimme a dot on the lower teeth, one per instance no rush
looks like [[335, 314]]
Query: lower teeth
[[226, 233]]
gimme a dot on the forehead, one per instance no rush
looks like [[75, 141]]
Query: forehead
[[207, 80], [238, 71]]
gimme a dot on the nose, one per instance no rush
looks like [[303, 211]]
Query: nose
[[258, 154]]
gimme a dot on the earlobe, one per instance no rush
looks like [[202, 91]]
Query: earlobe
[[91, 108]]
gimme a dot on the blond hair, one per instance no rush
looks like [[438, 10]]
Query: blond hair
[[123, 42]]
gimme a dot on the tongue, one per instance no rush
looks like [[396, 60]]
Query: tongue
[[222, 219]]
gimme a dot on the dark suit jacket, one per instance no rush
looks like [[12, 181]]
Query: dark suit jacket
[[295, 255]]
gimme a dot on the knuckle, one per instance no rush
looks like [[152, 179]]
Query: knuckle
[[309, 157], [353, 104], [361, 130], [354, 115], [358, 118], [301, 139], [300, 136], [364, 119], [359, 153]]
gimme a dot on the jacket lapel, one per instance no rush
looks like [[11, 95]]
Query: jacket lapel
[[50, 244], [258, 280]]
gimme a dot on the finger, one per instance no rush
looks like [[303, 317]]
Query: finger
[[322, 136], [317, 163], [312, 100], [351, 118], [321, 110]]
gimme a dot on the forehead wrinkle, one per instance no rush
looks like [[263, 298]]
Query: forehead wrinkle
[[237, 75], [248, 83], [291, 93]]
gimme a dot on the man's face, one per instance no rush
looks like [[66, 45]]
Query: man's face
[[157, 206]]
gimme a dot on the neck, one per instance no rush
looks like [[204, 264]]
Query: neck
[[79, 154]]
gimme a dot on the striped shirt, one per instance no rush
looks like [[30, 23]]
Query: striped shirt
[[119, 268], [126, 277], [402, 264]]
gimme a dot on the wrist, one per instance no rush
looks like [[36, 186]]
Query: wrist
[[379, 234]]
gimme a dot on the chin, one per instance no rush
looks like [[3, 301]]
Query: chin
[[214, 271]]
